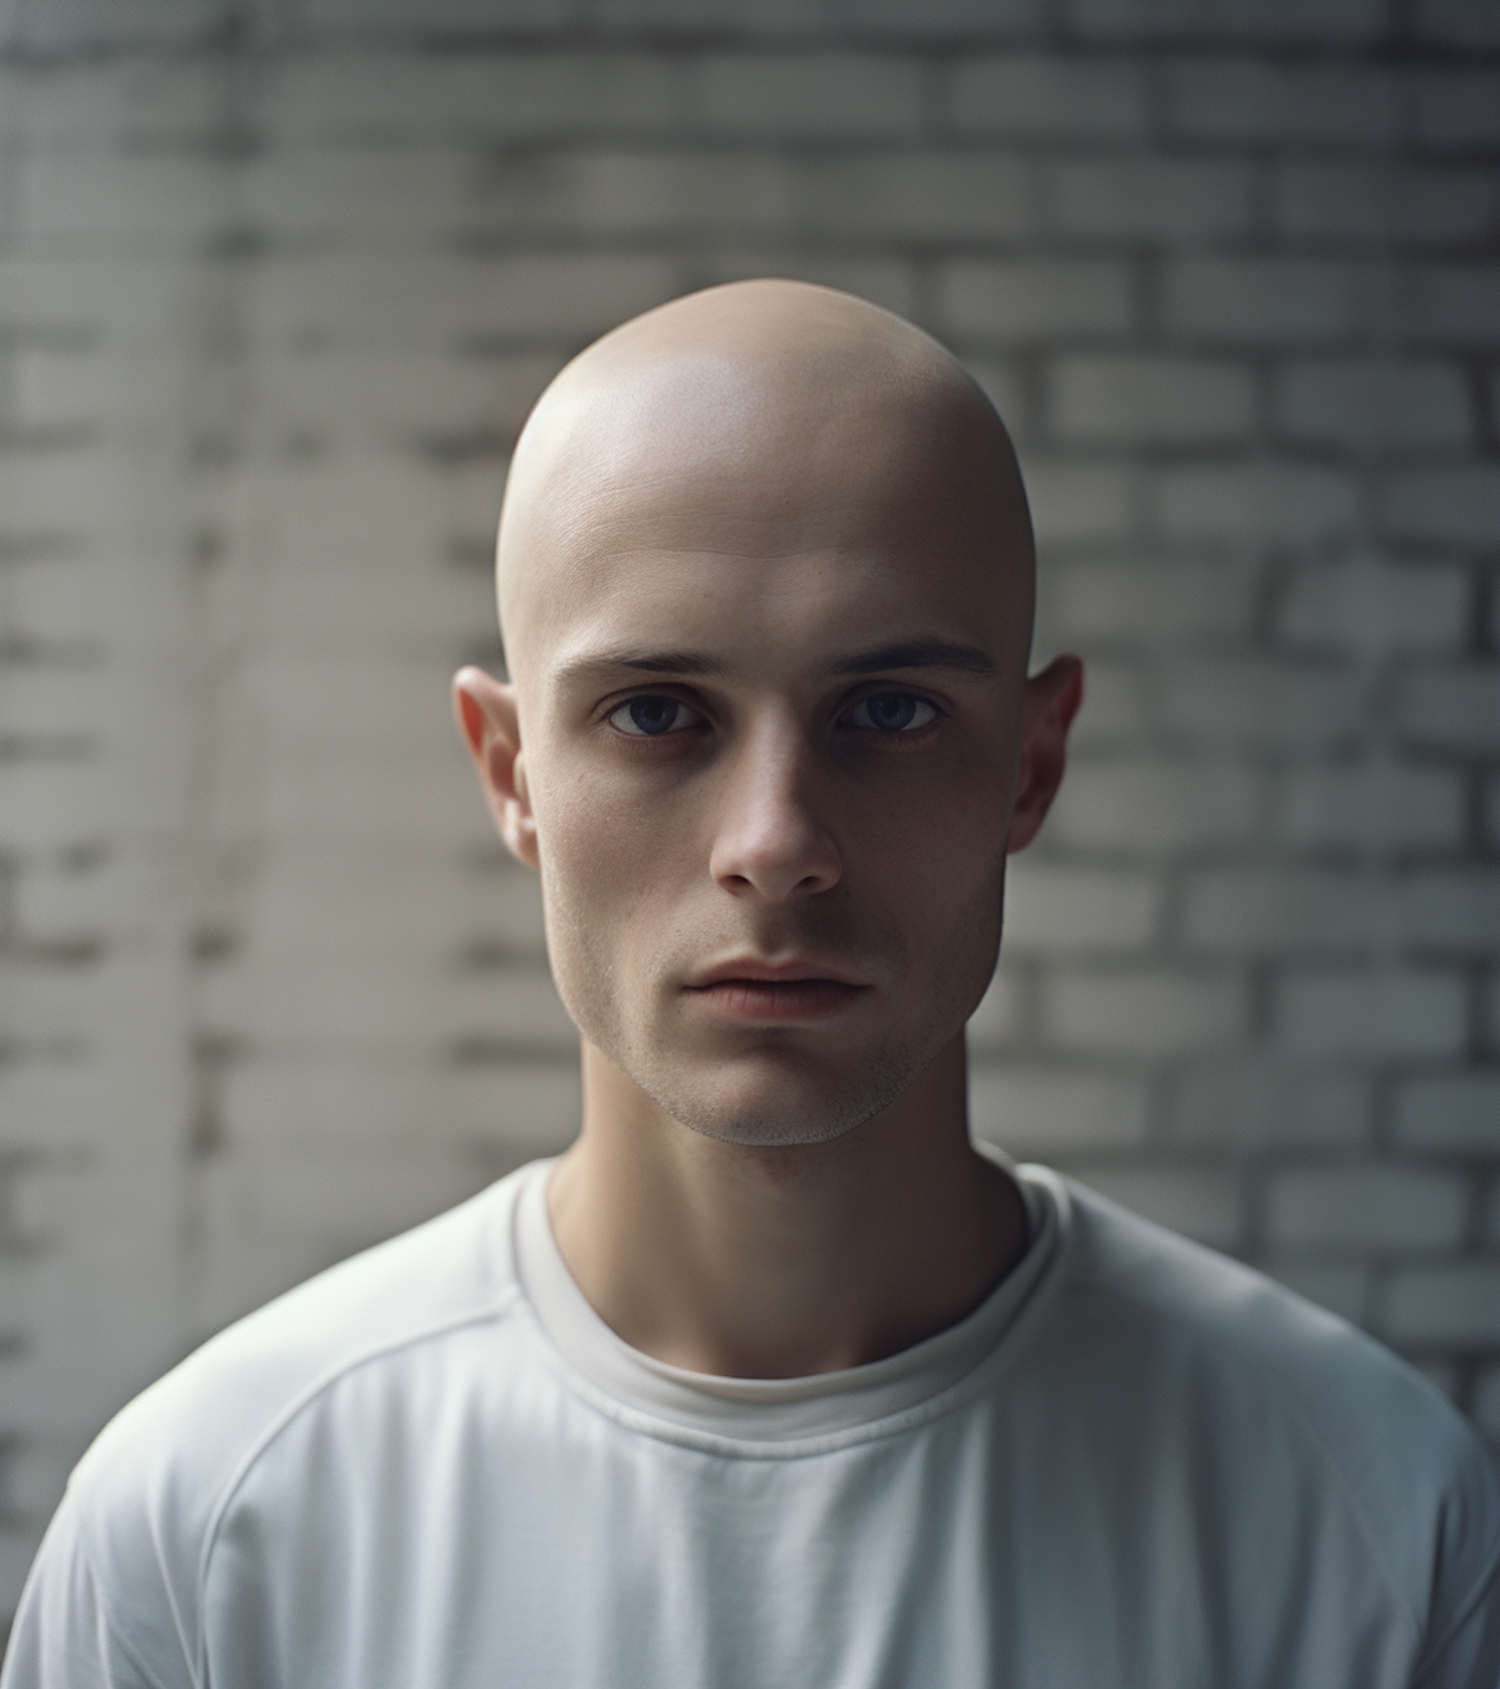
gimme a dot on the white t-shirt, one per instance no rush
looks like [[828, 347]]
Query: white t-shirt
[[434, 1466]]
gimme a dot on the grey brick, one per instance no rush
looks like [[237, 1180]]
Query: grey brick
[[366, 17], [1258, 1104], [1251, 101], [122, 101], [1278, 21], [102, 24], [1486, 1404], [1075, 502], [1034, 96], [1128, 399], [861, 19], [1154, 605], [1276, 301], [1458, 1304], [1451, 909], [1458, 108], [1288, 910], [1036, 299], [844, 94], [1457, 1112], [1379, 1208], [1458, 506], [1381, 1016], [982, 196], [997, 1020], [1379, 203], [1463, 23], [1260, 702], [1152, 804], [1372, 403], [1205, 1206], [1144, 1011], [1368, 607], [1032, 1111], [1257, 502], [1148, 199], [1371, 807], [1344, 1291], [1456, 304], [1054, 910], [394, 94], [1457, 707], [1114, 713]]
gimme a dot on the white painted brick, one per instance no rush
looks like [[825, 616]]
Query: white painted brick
[[134, 300], [1131, 399], [1458, 707], [1456, 304], [1032, 96], [1258, 301], [1376, 202], [1379, 1208], [1148, 198], [1154, 804], [1243, 99], [1076, 502], [1368, 403], [1374, 807], [1459, 506], [1457, 108], [1457, 1112], [806, 94], [1486, 1405], [46, 806], [80, 907], [1207, 1207], [1036, 1111], [1382, 1016], [1344, 1291], [394, 94], [927, 195], [1056, 910], [1257, 1104], [997, 1020], [141, 198], [1272, 21], [1026, 299], [89, 389], [118, 101], [64, 700], [51, 1107], [1276, 501], [1256, 701], [96, 24], [385, 196], [1451, 909], [1272, 911], [1458, 1304], [1370, 608], [1144, 1011], [84, 491], [865, 19]]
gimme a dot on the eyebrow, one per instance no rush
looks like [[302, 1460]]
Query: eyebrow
[[951, 655]]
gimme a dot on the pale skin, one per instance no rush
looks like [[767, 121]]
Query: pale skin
[[765, 579]]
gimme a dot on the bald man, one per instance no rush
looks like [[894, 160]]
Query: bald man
[[774, 1379]]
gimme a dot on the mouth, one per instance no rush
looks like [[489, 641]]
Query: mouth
[[748, 989]]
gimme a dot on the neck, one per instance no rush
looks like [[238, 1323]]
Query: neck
[[784, 1261]]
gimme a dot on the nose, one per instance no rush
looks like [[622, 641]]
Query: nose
[[768, 838]]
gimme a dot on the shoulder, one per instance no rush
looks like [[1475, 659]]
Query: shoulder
[[1281, 1394], [141, 1505]]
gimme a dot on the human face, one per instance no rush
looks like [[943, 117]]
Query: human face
[[768, 756]]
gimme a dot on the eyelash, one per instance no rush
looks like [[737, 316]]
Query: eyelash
[[910, 731]]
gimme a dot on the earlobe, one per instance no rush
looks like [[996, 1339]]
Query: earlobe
[[1052, 700], [489, 723]]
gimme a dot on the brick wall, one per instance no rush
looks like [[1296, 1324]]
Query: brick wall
[[277, 283]]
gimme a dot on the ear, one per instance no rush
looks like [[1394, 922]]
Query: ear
[[1051, 701], [488, 720]]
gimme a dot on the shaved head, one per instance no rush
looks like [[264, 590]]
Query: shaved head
[[753, 401]]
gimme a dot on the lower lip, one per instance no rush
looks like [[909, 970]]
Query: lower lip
[[780, 1000]]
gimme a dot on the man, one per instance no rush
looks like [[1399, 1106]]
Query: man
[[772, 1378]]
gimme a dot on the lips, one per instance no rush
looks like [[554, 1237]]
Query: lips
[[748, 989]]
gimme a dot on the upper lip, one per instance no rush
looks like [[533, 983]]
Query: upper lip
[[753, 968]]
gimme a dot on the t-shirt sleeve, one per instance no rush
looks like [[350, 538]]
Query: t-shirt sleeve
[[68, 1634]]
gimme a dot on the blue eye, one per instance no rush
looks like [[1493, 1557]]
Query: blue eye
[[648, 717], [892, 712]]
